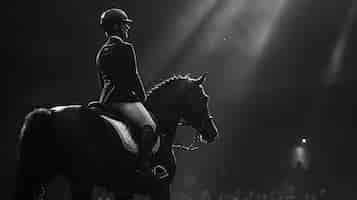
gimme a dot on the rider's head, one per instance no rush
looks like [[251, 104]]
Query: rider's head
[[115, 21]]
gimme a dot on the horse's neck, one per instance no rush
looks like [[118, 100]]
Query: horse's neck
[[168, 119], [168, 124]]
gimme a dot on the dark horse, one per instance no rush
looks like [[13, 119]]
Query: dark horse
[[76, 142]]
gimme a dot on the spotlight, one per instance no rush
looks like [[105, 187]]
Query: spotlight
[[303, 140]]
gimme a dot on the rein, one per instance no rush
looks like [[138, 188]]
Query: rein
[[195, 144], [196, 141], [191, 147]]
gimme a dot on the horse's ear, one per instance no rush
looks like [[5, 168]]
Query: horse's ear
[[201, 79]]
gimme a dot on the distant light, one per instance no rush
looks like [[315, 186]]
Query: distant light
[[303, 141]]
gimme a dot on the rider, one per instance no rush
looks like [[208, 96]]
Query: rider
[[121, 85]]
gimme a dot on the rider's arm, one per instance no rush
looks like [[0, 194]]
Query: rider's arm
[[137, 83]]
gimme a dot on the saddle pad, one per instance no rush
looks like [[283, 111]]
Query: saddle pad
[[128, 141]]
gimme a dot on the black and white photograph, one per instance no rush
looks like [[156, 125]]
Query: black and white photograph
[[179, 100]]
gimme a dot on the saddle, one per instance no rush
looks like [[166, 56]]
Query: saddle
[[126, 131], [120, 125], [107, 110]]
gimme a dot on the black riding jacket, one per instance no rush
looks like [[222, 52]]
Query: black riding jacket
[[118, 74]]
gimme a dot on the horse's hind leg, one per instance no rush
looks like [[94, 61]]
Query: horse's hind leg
[[30, 184], [35, 166], [27, 188], [33, 175]]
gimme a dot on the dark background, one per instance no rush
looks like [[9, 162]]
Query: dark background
[[299, 82]]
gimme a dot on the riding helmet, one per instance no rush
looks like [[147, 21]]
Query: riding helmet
[[113, 16]]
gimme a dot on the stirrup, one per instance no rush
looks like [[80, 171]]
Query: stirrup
[[160, 172]]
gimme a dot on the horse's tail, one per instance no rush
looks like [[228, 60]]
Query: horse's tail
[[35, 121], [33, 166]]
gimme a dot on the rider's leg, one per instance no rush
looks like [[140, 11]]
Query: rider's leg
[[137, 114]]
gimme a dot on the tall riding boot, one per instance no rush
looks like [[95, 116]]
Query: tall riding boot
[[145, 148]]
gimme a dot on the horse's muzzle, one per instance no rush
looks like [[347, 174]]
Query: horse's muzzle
[[209, 131]]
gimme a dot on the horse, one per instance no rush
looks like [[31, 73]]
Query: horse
[[85, 146]]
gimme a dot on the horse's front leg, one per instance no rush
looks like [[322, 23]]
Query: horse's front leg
[[124, 196], [81, 191], [162, 192]]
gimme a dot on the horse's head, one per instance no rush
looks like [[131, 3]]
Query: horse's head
[[196, 113], [181, 98]]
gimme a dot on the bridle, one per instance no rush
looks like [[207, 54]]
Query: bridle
[[196, 140]]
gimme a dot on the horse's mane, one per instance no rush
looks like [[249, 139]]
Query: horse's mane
[[168, 86]]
